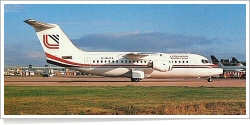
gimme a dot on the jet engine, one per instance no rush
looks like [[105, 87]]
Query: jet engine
[[162, 66]]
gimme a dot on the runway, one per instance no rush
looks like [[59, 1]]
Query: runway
[[117, 81]]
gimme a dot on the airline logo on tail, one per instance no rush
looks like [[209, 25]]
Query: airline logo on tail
[[51, 41]]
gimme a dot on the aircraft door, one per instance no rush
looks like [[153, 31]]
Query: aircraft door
[[193, 63], [87, 61]]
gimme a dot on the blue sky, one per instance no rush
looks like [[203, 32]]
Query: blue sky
[[205, 29]]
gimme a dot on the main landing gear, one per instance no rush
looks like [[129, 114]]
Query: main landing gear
[[135, 79]]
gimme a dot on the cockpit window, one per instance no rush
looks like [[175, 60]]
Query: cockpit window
[[205, 61]]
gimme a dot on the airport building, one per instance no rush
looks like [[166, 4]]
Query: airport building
[[233, 74], [43, 71]]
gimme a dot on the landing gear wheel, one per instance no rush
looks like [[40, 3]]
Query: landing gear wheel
[[135, 79], [210, 79]]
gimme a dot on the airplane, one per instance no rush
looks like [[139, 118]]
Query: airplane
[[60, 51], [233, 62], [237, 62], [228, 68], [226, 62]]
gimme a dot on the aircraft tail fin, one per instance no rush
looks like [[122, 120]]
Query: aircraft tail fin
[[234, 60], [55, 43], [237, 62], [216, 61]]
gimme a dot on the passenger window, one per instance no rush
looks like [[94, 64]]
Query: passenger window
[[116, 61], [93, 61]]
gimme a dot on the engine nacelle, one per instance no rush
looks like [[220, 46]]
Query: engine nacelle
[[162, 66]]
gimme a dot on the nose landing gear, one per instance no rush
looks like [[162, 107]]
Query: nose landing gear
[[210, 79]]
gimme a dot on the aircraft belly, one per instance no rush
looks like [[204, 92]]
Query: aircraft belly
[[116, 72], [183, 72], [126, 72], [112, 72]]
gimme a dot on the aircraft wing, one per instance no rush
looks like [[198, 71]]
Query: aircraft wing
[[135, 56]]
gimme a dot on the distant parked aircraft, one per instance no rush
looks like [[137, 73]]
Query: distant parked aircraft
[[61, 51], [228, 68], [237, 62]]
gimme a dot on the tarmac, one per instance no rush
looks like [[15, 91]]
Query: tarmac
[[117, 81]]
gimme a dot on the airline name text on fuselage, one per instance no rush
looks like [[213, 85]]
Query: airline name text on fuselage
[[179, 56]]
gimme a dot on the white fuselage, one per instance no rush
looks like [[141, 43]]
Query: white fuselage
[[114, 64]]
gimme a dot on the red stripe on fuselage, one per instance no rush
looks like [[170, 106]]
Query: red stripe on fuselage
[[63, 61]]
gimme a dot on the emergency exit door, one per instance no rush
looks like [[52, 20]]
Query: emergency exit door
[[87, 62]]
